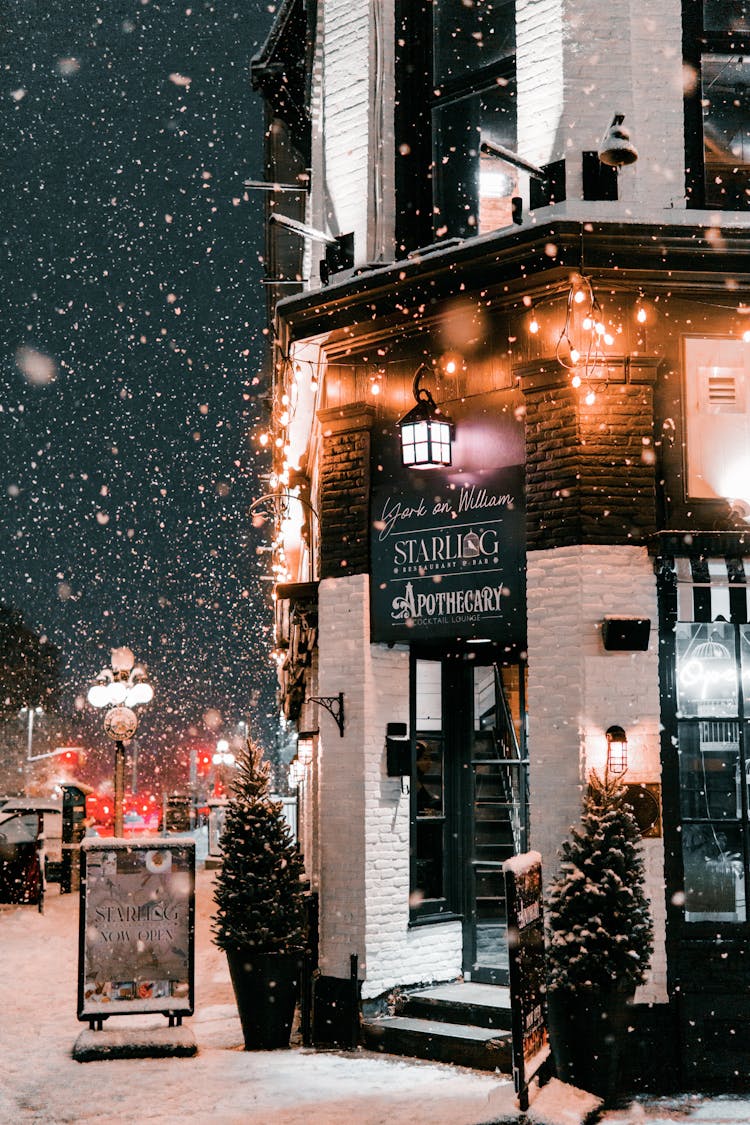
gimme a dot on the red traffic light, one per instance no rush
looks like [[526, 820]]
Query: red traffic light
[[203, 761], [69, 756]]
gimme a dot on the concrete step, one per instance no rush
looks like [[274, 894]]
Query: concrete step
[[484, 1006], [461, 1044]]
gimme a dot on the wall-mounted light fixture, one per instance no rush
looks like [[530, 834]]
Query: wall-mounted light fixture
[[426, 433], [306, 746], [617, 751], [616, 148], [296, 773]]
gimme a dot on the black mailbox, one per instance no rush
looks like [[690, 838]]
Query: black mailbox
[[397, 750]]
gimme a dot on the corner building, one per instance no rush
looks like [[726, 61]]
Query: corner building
[[582, 560]]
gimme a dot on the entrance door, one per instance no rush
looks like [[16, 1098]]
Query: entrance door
[[497, 813], [468, 798]]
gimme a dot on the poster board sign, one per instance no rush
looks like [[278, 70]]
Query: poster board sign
[[137, 927], [523, 888], [448, 557]]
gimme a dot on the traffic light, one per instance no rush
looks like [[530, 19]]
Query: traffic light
[[69, 757], [203, 762]]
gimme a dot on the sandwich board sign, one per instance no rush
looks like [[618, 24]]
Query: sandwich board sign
[[137, 929]]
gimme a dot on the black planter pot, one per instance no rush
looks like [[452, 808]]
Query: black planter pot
[[587, 1033], [266, 987]]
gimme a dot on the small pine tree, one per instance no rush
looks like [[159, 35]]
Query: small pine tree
[[600, 934], [258, 894]]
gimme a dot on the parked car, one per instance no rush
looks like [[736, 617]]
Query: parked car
[[22, 821], [52, 810]]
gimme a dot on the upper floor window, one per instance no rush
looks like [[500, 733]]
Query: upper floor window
[[717, 105], [456, 96], [474, 102], [717, 416]]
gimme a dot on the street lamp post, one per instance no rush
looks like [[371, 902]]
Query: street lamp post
[[120, 688], [223, 759], [31, 713]]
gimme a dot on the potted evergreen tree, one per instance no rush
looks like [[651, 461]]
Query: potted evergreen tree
[[600, 939], [260, 916]]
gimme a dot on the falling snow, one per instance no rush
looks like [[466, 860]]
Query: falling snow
[[132, 345]]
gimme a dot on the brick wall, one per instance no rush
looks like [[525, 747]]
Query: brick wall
[[352, 106], [577, 690], [578, 64], [589, 468], [343, 665], [344, 490]]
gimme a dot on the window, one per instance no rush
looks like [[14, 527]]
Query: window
[[713, 766], [455, 94], [717, 106], [428, 882], [474, 102], [717, 413]]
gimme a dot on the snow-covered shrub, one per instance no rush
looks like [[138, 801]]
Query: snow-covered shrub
[[259, 897], [599, 929]]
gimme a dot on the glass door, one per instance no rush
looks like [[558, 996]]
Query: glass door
[[497, 821]]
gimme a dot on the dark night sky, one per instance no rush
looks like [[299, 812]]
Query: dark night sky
[[131, 272]]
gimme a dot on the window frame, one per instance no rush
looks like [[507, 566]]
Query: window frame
[[697, 42], [678, 928], [448, 906], [423, 217], [742, 818], [715, 499]]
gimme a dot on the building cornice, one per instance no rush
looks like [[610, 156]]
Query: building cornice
[[499, 269]]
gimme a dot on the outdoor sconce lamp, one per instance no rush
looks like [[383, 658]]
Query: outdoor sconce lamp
[[306, 746], [296, 773], [426, 433], [616, 148], [617, 751]]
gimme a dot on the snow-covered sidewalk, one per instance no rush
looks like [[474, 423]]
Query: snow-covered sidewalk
[[223, 1084], [39, 1081]]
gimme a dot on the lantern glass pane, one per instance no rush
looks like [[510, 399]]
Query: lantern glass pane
[[408, 453]]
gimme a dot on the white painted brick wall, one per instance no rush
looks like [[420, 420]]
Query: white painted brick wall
[[577, 690], [353, 98], [342, 666], [579, 62], [363, 817]]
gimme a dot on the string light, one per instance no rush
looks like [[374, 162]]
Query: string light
[[590, 357]]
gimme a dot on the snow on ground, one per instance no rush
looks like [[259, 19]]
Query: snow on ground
[[223, 1084], [684, 1109]]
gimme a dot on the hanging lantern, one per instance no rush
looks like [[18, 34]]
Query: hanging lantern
[[426, 433]]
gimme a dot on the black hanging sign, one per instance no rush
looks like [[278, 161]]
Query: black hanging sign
[[523, 889], [448, 557]]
